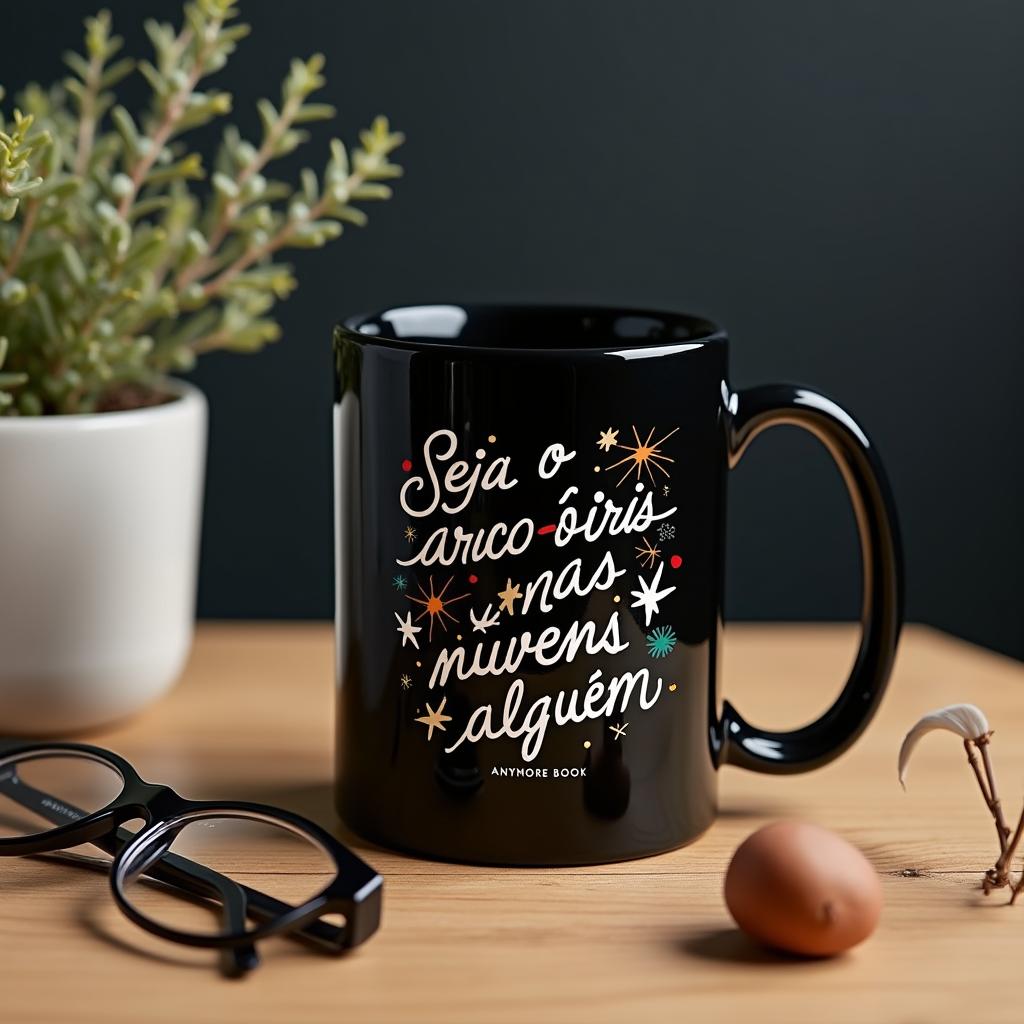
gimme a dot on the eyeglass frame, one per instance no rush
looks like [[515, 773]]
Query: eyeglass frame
[[355, 892]]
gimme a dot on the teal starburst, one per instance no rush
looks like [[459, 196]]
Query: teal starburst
[[660, 641], [399, 583]]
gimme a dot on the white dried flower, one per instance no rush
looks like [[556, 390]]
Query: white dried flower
[[966, 720]]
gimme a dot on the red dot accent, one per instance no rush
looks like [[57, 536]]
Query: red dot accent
[[675, 561], [474, 579], [406, 465]]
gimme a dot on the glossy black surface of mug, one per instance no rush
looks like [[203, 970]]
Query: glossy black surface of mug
[[642, 401]]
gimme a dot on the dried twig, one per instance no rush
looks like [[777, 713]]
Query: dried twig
[[969, 722], [995, 806]]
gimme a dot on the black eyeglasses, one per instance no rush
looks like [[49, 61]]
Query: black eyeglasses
[[181, 868]]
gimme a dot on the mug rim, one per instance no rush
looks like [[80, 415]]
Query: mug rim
[[432, 327]]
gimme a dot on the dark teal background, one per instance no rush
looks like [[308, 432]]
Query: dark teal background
[[840, 184]]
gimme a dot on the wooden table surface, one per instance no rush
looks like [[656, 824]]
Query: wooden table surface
[[648, 940]]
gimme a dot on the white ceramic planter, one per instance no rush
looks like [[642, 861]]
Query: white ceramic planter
[[99, 543]]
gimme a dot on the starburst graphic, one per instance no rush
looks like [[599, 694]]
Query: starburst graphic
[[665, 490], [649, 596], [642, 456], [400, 583], [620, 729], [405, 681], [647, 554], [435, 719], [485, 621], [608, 439], [660, 641], [410, 533], [436, 605], [509, 596], [666, 531]]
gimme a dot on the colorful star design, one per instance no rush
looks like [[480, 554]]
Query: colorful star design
[[410, 534], [435, 719], [648, 554], [660, 641], [508, 597], [436, 606], [608, 439], [399, 583], [408, 630], [643, 455], [405, 681]]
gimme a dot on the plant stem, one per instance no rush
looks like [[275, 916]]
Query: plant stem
[[266, 150], [998, 876], [233, 206], [211, 342], [217, 284], [27, 225], [1001, 872], [87, 123], [88, 325], [995, 805], [172, 114], [972, 760], [1016, 890]]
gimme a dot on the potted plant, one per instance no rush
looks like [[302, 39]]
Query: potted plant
[[122, 259]]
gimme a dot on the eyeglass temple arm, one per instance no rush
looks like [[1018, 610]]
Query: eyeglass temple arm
[[177, 871], [233, 899], [240, 901]]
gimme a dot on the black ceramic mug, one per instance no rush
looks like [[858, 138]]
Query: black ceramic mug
[[530, 509]]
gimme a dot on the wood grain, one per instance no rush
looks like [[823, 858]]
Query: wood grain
[[648, 940]]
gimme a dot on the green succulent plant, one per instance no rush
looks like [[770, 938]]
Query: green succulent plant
[[121, 257]]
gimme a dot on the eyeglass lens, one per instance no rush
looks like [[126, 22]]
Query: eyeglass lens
[[285, 865], [40, 792]]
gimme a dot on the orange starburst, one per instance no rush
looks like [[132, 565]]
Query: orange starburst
[[643, 455], [436, 605], [648, 554]]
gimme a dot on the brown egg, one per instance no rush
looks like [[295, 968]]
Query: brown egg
[[801, 888]]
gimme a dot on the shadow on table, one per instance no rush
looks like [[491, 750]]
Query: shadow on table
[[754, 812], [313, 800], [96, 912], [730, 945], [95, 917], [102, 922]]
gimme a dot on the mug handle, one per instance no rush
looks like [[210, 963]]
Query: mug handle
[[748, 413]]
